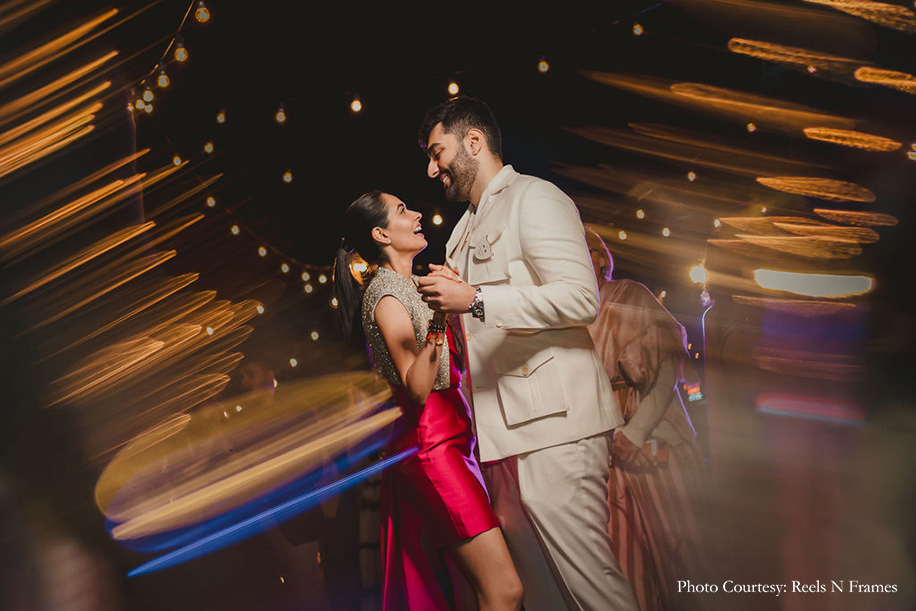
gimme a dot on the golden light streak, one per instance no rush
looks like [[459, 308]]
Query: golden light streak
[[192, 192], [888, 78], [32, 60], [28, 126], [795, 56], [106, 365], [859, 219], [693, 147], [765, 225], [740, 106], [26, 146], [131, 271], [83, 183], [83, 257], [853, 234], [11, 18], [798, 307], [852, 139], [47, 148], [836, 367], [802, 246], [12, 110], [269, 424], [142, 303], [60, 214], [888, 15], [814, 285], [821, 188], [221, 462]]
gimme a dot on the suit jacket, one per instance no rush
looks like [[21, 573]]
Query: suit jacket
[[536, 379]]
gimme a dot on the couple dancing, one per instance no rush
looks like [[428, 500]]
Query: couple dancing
[[543, 410]]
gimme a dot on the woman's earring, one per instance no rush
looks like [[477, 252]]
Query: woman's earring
[[389, 240]]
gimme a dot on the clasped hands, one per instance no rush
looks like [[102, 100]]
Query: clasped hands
[[444, 291], [629, 456]]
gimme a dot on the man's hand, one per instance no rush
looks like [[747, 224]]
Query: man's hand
[[445, 292], [627, 455]]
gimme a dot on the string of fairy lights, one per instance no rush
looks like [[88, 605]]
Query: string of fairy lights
[[142, 102]]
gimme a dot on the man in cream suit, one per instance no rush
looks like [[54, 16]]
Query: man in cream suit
[[543, 406]]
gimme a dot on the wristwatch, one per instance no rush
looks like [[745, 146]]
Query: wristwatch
[[476, 307]]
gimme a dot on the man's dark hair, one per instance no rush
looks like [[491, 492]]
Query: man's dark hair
[[459, 115]]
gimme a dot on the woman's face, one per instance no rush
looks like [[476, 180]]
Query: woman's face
[[404, 227]]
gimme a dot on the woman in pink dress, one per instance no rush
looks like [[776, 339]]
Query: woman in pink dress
[[435, 499]]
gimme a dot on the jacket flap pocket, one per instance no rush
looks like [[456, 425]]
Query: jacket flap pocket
[[520, 364]]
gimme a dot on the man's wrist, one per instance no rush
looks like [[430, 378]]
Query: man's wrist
[[476, 308]]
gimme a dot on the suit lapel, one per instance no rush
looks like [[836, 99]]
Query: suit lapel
[[454, 242]]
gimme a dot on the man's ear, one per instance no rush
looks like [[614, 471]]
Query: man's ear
[[475, 140]]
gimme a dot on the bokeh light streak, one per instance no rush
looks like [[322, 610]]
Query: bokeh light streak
[[853, 234], [887, 15], [852, 139], [821, 188], [265, 520], [14, 109], [740, 106], [799, 307], [888, 78], [857, 218], [114, 281], [814, 247], [83, 257], [814, 285], [32, 60], [795, 56]]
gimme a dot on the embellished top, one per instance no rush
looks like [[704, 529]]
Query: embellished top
[[387, 282]]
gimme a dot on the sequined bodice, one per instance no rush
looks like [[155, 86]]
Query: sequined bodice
[[387, 282]]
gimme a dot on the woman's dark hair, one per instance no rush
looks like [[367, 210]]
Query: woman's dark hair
[[363, 215], [460, 114]]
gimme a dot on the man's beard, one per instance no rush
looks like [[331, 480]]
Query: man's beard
[[461, 172]]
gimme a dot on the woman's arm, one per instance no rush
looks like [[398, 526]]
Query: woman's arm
[[417, 368]]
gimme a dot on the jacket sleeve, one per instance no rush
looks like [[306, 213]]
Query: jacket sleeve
[[552, 242]]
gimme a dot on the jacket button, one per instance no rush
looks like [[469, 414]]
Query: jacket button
[[469, 337], [525, 370], [499, 324]]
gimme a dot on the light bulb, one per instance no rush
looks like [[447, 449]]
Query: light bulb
[[666, 232], [637, 29], [211, 202], [437, 219], [221, 117], [202, 14], [181, 54], [287, 177], [284, 268], [314, 336], [306, 276], [280, 117], [622, 234], [453, 88], [176, 160], [148, 95], [356, 105], [309, 288], [543, 66], [262, 251], [322, 279], [163, 80], [640, 214], [148, 108], [235, 230], [208, 147]]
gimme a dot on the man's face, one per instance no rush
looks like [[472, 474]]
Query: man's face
[[450, 162]]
